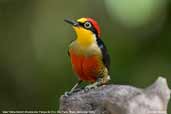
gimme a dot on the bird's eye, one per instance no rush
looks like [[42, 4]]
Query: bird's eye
[[87, 25]]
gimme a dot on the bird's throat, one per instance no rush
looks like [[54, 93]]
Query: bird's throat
[[84, 37]]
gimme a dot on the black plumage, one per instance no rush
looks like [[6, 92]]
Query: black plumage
[[106, 57]]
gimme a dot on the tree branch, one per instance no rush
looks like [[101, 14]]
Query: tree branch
[[119, 99]]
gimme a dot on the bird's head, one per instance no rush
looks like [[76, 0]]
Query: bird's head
[[87, 30]]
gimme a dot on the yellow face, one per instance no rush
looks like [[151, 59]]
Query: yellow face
[[84, 37]]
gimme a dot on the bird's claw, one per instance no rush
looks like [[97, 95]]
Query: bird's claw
[[68, 93], [89, 87]]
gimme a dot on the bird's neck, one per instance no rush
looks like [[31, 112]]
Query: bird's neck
[[86, 40], [84, 37]]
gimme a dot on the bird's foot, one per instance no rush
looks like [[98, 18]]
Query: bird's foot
[[68, 93], [89, 87]]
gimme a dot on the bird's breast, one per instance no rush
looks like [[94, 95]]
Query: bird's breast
[[86, 61], [90, 50], [86, 67]]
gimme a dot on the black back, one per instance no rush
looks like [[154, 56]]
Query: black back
[[106, 57]]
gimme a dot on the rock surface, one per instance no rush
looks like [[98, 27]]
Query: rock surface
[[119, 99]]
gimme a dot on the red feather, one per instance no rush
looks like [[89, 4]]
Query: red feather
[[95, 24], [86, 68]]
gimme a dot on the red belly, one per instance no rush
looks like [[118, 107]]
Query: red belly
[[85, 67]]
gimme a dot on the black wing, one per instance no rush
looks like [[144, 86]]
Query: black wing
[[106, 57]]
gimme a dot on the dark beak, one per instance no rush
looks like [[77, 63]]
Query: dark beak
[[72, 22]]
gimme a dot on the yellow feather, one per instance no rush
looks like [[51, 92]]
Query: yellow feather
[[84, 36], [82, 20]]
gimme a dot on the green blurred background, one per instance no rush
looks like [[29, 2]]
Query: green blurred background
[[34, 67]]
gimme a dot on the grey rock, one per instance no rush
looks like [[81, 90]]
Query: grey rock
[[119, 99]]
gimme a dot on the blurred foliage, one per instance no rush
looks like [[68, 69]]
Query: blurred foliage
[[35, 69]]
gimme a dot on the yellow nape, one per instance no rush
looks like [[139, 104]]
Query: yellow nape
[[84, 36], [82, 20]]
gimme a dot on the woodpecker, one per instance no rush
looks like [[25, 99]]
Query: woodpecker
[[89, 56]]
